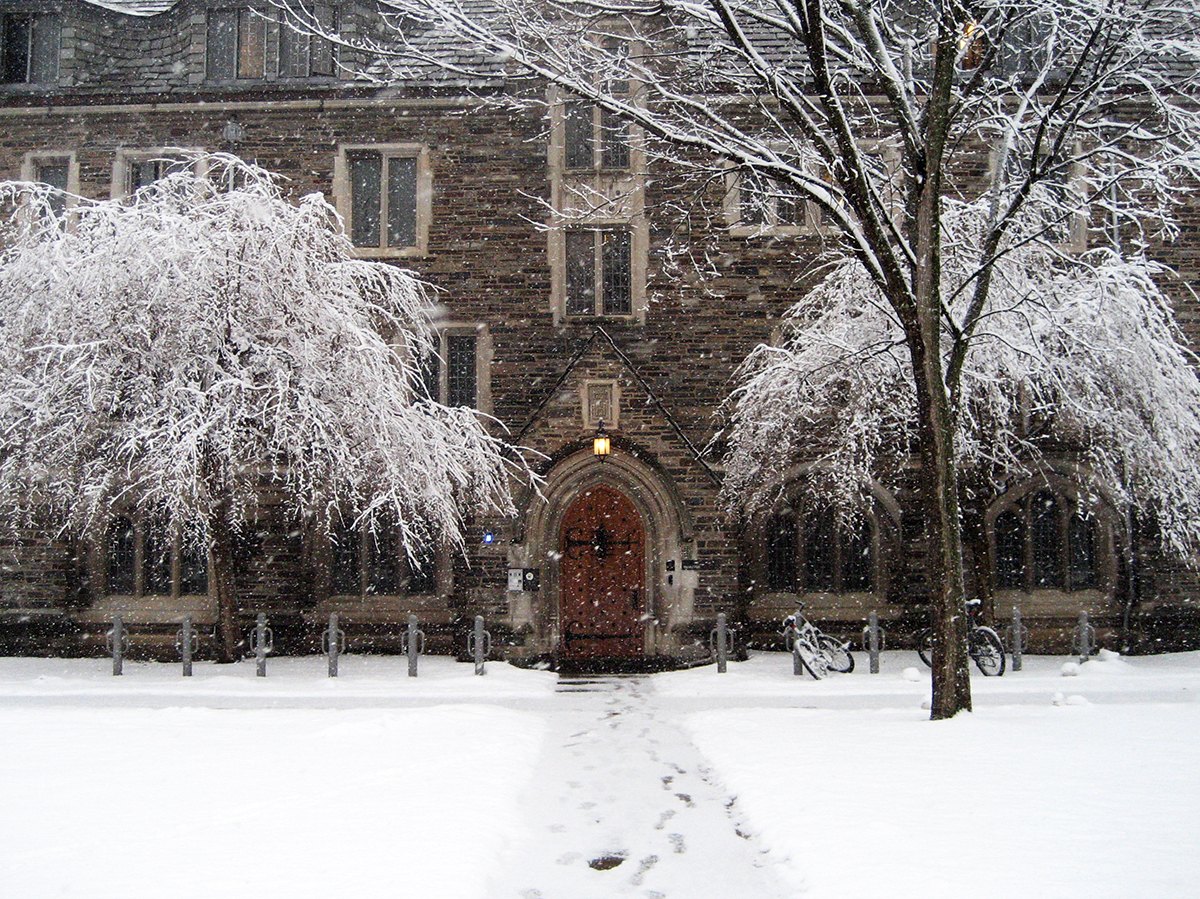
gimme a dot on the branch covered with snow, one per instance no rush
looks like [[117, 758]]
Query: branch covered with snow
[[178, 349], [1078, 358]]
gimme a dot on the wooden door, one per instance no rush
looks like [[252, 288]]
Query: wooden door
[[602, 576]]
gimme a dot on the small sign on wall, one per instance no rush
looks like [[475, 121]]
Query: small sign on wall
[[527, 580]]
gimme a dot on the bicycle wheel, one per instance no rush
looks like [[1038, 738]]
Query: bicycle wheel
[[925, 646], [814, 660], [987, 651], [836, 654]]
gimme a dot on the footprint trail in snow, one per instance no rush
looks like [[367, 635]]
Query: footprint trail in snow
[[622, 804]]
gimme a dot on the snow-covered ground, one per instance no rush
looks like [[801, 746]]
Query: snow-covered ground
[[689, 784]]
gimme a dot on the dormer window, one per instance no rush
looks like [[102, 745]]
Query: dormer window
[[236, 45], [305, 55], [28, 49]]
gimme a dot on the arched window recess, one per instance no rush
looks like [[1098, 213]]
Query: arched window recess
[[806, 548], [1048, 536]]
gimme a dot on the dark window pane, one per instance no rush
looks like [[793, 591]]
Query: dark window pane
[[1047, 541], [1081, 540], [422, 572], [616, 272], [345, 559], [1010, 551], [251, 43], [382, 561], [781, 553], [156, 562], [53, 173], [365, 175], [56, 174], [615, 141], [752, 208], [618, 50], [247, 548], [322, 60], [581, 272], [43, 50], [119, 558], [143, 173], [17, 30], [222, 44], [193, 569], [857, 561], [789, 210], [460, 370], [580, 150], [402, 201], [431, 376], [293, 52], [819, 554]]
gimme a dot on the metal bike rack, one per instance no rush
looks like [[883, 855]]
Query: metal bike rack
[[187, 641], [790, 631], [416, 645], [117, 641], [333, 643], [1084, 640], [874, 640], [1018, 639], [718, 642], [262, 641], [479, 644]]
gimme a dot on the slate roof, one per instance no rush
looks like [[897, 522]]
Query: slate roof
[[135, 7]]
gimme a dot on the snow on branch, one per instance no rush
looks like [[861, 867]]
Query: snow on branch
[[174, 350], [1078, 358]]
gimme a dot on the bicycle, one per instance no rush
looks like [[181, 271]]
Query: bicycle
[[819, 652], [983, 645]]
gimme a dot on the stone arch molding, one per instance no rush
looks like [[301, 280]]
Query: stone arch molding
[[887, 501], [669, 537]]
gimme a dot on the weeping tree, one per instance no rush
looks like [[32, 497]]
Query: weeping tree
[[177, 352], [1081, 356], [874, 112]]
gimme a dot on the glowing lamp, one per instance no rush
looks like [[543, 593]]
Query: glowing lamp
[[601, 443]]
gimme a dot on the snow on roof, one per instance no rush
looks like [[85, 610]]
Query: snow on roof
[[135, 7]]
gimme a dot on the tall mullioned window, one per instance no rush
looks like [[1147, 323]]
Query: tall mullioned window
[[145, 558], [816, 555], [366, 562], [598, 271], [384, 193], [452, 377], [595, 138], [383, 190], [1045, 542]]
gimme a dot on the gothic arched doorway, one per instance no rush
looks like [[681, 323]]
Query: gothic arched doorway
[[602, 576]]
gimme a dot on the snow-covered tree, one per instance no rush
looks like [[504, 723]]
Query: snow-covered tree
[[874, 112], [1080, 356], [179, 351]]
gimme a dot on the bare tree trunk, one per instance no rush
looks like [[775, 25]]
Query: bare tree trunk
[[951, 676], [221, 545]]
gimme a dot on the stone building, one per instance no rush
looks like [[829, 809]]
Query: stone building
[[563, 323]]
